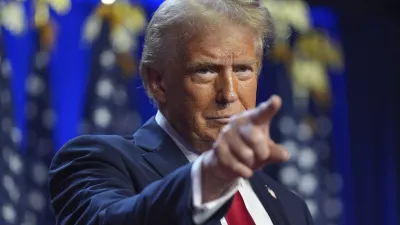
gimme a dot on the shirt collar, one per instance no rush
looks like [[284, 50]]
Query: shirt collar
[[185, 147]]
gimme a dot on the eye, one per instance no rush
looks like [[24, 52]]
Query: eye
[[244, 71], [204, 71], [203, 74]]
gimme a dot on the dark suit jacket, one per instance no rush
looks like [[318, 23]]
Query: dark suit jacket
[[143, 180]]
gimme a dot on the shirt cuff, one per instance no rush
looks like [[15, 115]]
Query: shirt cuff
[[204, 211]]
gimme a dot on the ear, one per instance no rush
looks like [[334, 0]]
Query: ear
[[155, 85]]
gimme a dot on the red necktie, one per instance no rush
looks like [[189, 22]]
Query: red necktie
[[238, 214]]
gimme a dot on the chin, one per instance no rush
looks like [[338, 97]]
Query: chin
[[215, 131]]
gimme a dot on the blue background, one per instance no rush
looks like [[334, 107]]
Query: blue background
[[364, 157]]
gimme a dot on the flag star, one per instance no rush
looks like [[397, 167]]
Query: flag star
[[41, 59], [107, 59], [307, 158], [308, 184], [92, 28], [333, 207], [292, 148], [122, 40], [8, 182], [35, 85], [12, 188], [5, 97], [49, 118], [16, 135], [6, 69], [6, 124], [304, 132], [287, 125], [14, 194], [102, 117], [9, 214], [104, 88], [39, 171], [289, 175], [36, 200], [15, 163], [29, 218], [6, 153], [120, 96]]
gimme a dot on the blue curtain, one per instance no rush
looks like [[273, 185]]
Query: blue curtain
[[363, 134], [372, 57]]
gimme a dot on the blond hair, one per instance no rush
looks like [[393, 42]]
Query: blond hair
[[176, 20]]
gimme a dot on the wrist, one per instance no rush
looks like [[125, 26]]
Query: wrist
[[214, 183]]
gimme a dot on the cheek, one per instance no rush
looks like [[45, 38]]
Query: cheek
[[247, 92], [199, 96]]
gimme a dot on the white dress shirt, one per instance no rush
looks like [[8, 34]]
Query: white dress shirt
[[206, 210]]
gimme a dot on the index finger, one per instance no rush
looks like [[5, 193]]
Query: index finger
[[264, 113]]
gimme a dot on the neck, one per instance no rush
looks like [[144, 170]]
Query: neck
[[193, 140], [202, 145]]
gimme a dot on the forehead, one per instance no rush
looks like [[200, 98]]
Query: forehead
[[222, 43]]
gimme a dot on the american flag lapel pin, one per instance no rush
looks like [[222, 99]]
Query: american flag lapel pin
[[271, 192]]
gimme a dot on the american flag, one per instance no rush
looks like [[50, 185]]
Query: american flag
[[109, 107], [306, 131], [12, 172], [40, 120]]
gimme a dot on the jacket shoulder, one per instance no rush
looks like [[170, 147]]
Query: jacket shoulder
[[99, 146]]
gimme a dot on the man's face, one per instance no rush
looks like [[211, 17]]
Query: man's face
[[216, 79]]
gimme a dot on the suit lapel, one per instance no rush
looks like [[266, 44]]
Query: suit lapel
[[271, 204], [165, 156], [162, 152]]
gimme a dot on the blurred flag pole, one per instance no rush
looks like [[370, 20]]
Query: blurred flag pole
[[40, 117], [305, 127], [112, 32], [12, 172]]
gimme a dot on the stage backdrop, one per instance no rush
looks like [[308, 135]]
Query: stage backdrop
[[70, 67]]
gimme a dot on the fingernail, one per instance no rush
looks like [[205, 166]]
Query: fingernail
[[287, 155]]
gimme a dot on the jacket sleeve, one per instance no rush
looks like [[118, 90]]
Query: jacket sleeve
[[89, 184]]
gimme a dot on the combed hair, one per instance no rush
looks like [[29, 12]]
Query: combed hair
[[177, 20]]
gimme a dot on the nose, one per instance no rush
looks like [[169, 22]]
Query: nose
[[227, 86]]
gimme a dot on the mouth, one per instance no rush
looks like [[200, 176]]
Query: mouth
[[221, 119]]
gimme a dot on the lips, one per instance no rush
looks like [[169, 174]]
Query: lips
[[221, 119]]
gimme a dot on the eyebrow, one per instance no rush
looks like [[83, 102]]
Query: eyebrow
[[213, 63]]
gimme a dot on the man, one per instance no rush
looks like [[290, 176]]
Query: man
[[197, 160]]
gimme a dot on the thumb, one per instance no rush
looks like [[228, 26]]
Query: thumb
[[264, 113]]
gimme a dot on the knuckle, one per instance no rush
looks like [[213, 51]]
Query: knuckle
[[220, 154], [264, 155], [236, 168], [257, 137], [248, 155]]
